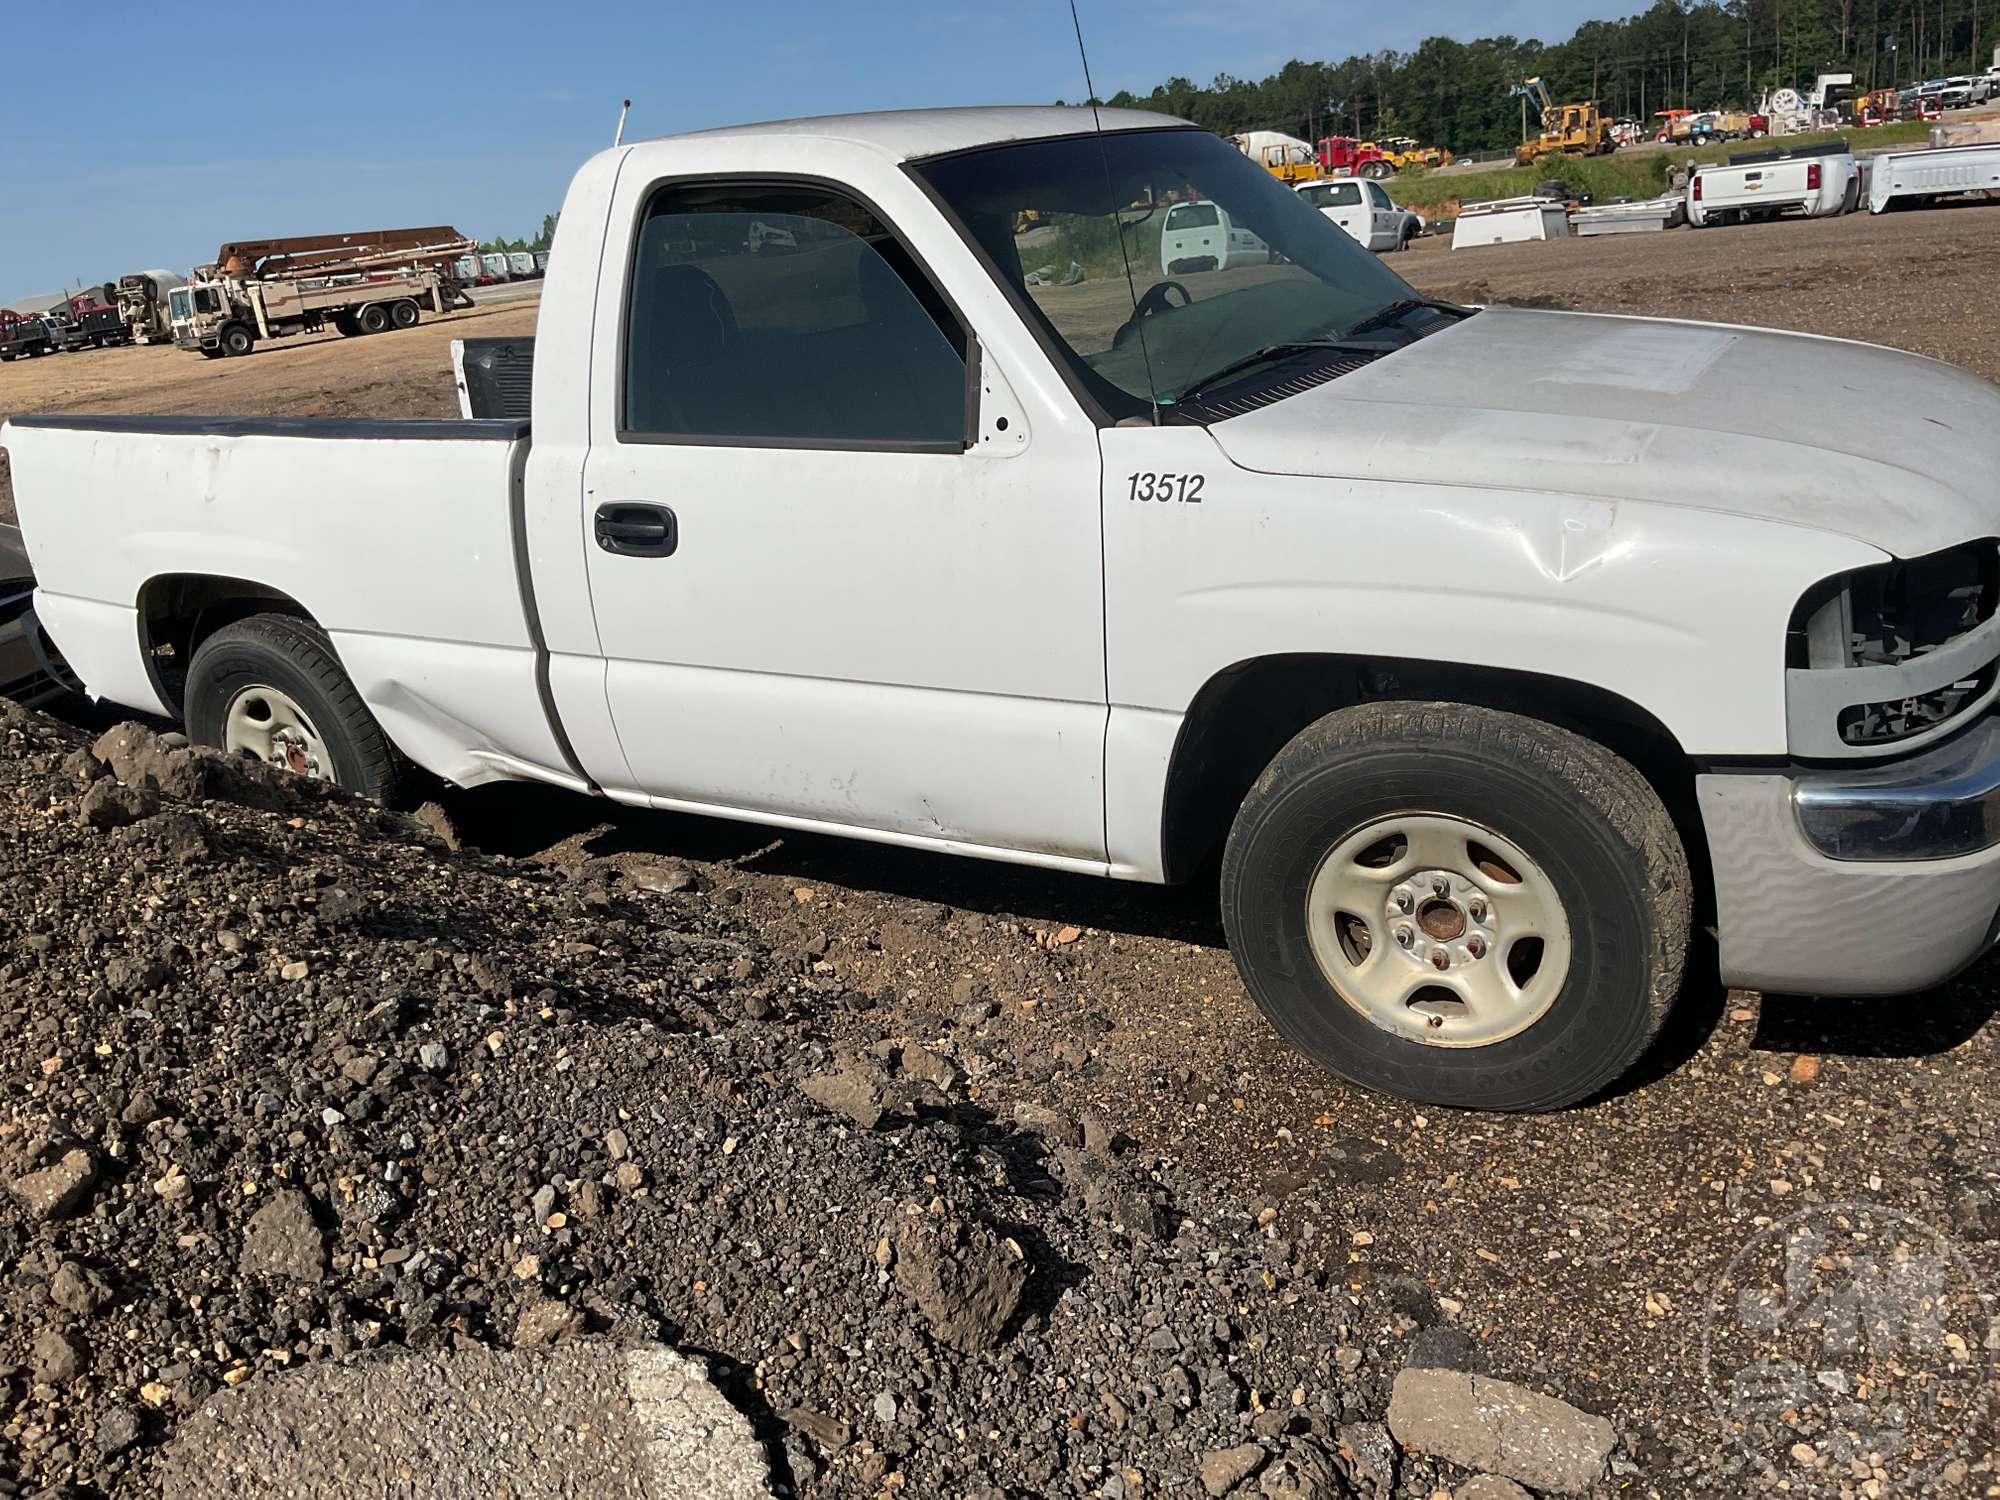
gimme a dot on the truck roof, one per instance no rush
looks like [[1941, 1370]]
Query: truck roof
[[906, 134]]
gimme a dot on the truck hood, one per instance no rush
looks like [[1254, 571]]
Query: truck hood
[[1894, 450]]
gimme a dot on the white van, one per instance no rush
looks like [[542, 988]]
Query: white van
[[1365, 210], [1199, 236]]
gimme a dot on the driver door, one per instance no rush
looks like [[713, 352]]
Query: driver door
[[822, 596]]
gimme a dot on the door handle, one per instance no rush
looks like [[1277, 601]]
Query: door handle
[[637, 530]]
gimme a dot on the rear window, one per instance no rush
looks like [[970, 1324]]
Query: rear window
[[1332, 194], [1191, 216]]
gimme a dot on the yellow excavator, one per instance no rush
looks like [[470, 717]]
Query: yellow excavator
[[1404, 151], [1567, 129]]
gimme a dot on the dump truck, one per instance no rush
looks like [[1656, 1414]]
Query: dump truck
[[360, 282], [141, 300], [1567, 129], [22, 337]]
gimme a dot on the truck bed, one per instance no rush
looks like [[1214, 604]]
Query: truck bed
[[405, 540]]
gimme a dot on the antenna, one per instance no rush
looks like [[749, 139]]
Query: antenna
[[1124, 251], [618, 137]]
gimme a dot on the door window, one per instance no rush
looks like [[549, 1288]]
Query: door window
[[789, 317], [1378, 196]]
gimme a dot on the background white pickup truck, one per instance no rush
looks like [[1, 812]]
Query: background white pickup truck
[[1817, 182], [1491, 652], [1365, 210]]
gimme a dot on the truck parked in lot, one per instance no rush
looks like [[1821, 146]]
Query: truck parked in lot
[[141, 300], [1493, 653], [1812, 181], [497, 266], [1365, 210], [364, 282], [22, 336]]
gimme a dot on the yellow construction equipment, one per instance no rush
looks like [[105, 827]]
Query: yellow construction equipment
[[1403, 152], [1567, 129]]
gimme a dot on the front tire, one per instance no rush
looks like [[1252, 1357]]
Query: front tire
[[235, 340], [1541, 868], [271, 687]]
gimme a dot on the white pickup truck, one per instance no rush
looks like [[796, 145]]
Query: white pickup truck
[[1816, 182], [1365, 210], [1493, 652]]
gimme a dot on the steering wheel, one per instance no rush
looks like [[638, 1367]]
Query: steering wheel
[[1155, 300]]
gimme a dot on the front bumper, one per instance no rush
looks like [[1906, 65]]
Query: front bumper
[[1867, 881]]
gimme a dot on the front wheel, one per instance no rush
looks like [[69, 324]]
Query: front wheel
[[1458, 906], [270, 687], [235, 341]]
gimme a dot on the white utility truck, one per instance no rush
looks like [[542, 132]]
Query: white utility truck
[[1494, 653], [1815, 182], [1365, 210]]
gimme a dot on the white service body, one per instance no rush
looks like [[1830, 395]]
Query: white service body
[[1509, 221], [1918, 176]]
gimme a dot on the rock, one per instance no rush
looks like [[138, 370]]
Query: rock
[[1222, 1469], [1052, 1125], [885, 1408], [860, 1092], [108, 804], [830, 1433], [296, 970], [617, 1145], [963, 1279], [543, 1203], [55, 1192], [1099, 1139], [664, 879], [117, 1430], [282, 1239], [1371, 1457], [1499, 1428], [926, 1066], [78, 1291], [1304, 1471], [545, 1322], [433, 1057], [1490, 1487], [1442, 1348], [56, 1358]]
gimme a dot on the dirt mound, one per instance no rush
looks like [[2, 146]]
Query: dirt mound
[[292, 1082]]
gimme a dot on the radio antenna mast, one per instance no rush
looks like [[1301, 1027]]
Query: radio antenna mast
[[619, 137], [1124, 250]]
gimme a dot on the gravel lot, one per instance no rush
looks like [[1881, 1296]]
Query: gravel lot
[[1234, 1250]]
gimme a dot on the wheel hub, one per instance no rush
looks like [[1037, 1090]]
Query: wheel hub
[[1439, 930], [269, 725]]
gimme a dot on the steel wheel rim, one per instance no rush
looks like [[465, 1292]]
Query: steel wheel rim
[[269, 725], [1439, 930]]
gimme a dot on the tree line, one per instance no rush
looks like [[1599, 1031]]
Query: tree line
[[541, 241], [1694, 54]]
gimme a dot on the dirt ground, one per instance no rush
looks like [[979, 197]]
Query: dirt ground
[[1585, 1253]]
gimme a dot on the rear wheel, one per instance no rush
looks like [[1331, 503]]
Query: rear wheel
[[404, 314], [270, 687], [1458, 906], [373, 318]]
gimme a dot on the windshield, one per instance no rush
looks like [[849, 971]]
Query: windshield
[[177, 303], [1224, 260]]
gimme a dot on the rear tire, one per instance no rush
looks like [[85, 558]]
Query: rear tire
[[291, 661], [373, 318], [1532, 830], [404, 314]]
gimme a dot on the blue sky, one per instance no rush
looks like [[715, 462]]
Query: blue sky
[[478, 112]]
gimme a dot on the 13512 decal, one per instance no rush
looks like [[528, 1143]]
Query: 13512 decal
[[1168, 489]]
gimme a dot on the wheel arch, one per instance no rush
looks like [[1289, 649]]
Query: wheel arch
[[178, 611], [1247, 712]]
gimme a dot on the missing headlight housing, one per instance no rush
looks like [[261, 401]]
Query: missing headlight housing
[[1892, 615]]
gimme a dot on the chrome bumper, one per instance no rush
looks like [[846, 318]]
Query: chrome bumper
[[1877, 881], [1940, 804]]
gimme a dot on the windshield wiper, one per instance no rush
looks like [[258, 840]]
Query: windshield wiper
[[1266, 355], [1401, 308]]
